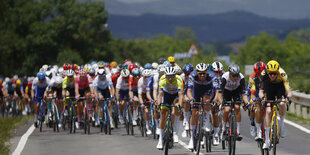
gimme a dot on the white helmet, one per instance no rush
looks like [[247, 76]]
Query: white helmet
[[70, 72], [92, 71], [45, 67], [146, 72], [7, 79], [154, 65], [58, 80], [201, 67], [15, 77], [217, 66], [161, 69], [178, 69], [170, 71], [60, 70], [125, 73], [101, 71]]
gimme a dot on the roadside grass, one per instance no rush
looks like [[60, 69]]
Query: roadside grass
[[7, 125], [298, 119]]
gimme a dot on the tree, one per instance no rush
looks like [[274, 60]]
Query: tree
[[183, 33]]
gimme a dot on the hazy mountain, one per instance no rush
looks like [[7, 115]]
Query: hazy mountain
[[283, 9], [230, 26]]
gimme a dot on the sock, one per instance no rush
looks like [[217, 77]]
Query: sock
[[157, 123], [267, 131], [224, 126], [216, 132], [238, 127], [258, 126], [281, 122], [176, 124], [35, 117], [193, 128]]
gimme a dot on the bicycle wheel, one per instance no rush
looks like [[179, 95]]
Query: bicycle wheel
[[130, 122], [142, 127], [71, 123], [108, 121], [126, 120], [88, 123], [41, 121], [200, 136], [85, 121], [207, 144], [274, 136], [210, 140], [260, 146], [232, 139], [154, 128]]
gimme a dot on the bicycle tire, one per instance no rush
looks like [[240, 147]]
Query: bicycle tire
[[166, 146], [260, 145], [198, 141], [85, 121], [108, 121], [210, 141], [274, 136], [232, 139], [142, 124], [130, 122], [126, 120], [207, 136], [41, 122], [154, 128], [71, 124], [266, 151]]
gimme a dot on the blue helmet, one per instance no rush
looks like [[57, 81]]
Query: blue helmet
[[167, 64], [41, 75], [135, 71], [188, 68], [148, 66]]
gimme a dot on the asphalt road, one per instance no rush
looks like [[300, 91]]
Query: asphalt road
[[119, 143]]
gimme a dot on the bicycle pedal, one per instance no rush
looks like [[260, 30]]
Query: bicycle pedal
[[239, 138]]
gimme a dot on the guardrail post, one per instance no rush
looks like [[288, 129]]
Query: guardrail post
[[292, 108], [298, 109], [304, 112]]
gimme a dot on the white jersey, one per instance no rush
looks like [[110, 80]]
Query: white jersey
[[155, 81], [122, 84], [36, 83], [103, 84], [230, 85], [142, 85]]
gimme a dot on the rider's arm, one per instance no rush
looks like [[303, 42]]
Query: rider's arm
[[76, 86], [244, 96], [160, 95], [221, 90], [180, 89]]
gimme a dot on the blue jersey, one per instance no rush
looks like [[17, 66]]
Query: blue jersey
[[205, 87], [149, 85]]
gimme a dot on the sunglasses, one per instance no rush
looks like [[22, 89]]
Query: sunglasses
[[101, 76], [202, 73], [218, 72], [272, 73], [170, 76], [234, 75]]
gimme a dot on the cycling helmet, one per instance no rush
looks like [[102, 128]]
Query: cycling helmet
[[167, 63], [137, 64], [48, 74], [125, 73], [217, 66], [170, 71], [201, 67], [101, 71], [131, 67], [92, 71], [7, 80], [188, 68], [273, 66], [178, 69], [58, 80], [15, 77], [234, 69], [113, 64], [135, 71], [171, 59], [146, 72], [70, 72], [45, 67], [161, 60], [147, 66], [161, 69], [18, 82], [41, 75], [154, 65], [259, 67], [100, 64]]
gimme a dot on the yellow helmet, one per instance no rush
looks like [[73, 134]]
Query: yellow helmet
[[18, 82], [272, 66], [113, 64], [171, 59]]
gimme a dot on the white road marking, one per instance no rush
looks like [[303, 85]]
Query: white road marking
[[296, 125], [23, 140], [185, 146]]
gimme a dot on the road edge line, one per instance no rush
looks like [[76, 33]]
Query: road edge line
[[296, 125], [23, 140]]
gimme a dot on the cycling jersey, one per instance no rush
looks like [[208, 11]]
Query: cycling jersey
[[18, 91], [81, 84], [9, 89], [185, 81], [103, 84], [67, 83], [202, 88], [277, 87], [171, 88], [39, 88], [114, 78], [91, 80], [122, 84], [253, 85], [142, 85], [133, 84], [231, 89]]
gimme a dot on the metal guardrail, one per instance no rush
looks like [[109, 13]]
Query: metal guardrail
[[300, 104]]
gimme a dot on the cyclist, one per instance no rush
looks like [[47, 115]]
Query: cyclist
[[104, 90], [122, 91], [81, 86], [9, 91], [151, 92], [17, 91], [54, 89], [142, 96], [39, 85], [187, 69], [274, 83], [170, 88], [172, 61], [26, 98], [232, 87], [133, 92], [201, 86], [252, 91]]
